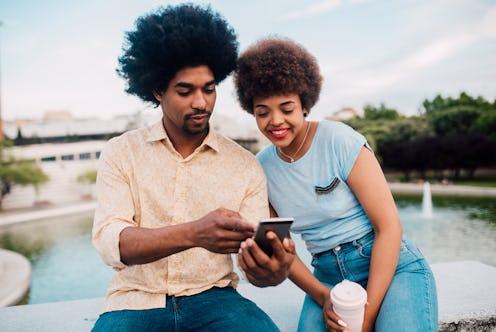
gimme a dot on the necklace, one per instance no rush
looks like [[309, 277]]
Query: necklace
[[291, 158]]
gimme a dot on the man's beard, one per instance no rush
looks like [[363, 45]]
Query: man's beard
[[197, 130]]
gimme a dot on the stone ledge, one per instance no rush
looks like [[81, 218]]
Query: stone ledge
[[15, 274], [466, 293]]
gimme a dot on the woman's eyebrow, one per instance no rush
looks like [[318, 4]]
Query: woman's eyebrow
[[287, 103]]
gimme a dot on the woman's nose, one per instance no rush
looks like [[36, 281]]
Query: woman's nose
[[276, 119]]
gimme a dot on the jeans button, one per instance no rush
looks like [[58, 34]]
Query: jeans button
[[337, 248]]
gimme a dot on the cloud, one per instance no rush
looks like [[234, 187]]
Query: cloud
[[378, 79], [314, 9], [448, 46], [487, 26], [319, 8]]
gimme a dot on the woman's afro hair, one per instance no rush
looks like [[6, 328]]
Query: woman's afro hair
[[276, 66], [173, 38]]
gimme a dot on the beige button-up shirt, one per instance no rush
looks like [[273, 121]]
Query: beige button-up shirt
[[144, 182]]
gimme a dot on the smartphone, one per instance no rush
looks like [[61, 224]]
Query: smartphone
[[280, 226]]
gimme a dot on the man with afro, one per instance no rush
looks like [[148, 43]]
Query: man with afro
[[176, 199]]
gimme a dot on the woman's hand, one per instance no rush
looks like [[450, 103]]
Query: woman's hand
[[332, 321]]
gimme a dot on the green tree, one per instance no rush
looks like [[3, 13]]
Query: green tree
[[465, 130], [380, 113], [17, 171], [440, 104], [485, 124], [461, 115], [454, 120], [388, 133], [88, 177]]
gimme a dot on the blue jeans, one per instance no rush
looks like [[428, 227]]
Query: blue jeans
[[217, 309], [410, 303]]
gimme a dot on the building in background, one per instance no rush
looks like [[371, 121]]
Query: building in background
[[346, 113]]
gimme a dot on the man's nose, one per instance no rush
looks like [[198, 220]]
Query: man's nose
[[199, 101]]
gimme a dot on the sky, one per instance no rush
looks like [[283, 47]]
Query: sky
[[61, 55]]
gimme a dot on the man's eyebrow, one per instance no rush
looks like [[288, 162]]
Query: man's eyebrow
[[189, 85], [183, 85]]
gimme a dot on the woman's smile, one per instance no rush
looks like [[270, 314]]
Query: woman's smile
[[279, 133]]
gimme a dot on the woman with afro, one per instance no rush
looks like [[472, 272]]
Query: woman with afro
[[325, 175]]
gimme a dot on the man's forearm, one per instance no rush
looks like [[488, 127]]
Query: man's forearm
[[139, 245]]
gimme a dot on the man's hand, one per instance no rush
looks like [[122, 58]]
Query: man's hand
[[221, 231], [262, 270]]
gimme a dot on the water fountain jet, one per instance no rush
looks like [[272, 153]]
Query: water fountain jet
[[427, 201]]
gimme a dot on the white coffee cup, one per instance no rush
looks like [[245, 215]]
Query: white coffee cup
[[348, 302]]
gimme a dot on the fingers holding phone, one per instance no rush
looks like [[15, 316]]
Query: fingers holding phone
[[267, 257], [221, 231], [279, 226]]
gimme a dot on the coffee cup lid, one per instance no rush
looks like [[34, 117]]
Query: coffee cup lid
[[348, 294]]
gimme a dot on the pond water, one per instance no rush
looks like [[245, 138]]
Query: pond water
[[67, 267]]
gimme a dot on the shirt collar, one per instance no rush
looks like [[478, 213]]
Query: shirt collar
[[157, 133]]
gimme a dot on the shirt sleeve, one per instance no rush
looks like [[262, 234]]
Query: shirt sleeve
[[347, 146], [115, 208], [256, 203]]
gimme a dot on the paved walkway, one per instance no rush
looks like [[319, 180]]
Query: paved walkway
[[21, 215], [443, 189]]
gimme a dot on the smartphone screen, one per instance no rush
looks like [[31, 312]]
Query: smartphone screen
[[280, 226]]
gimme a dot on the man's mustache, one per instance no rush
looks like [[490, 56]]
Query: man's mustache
[[198, 112]]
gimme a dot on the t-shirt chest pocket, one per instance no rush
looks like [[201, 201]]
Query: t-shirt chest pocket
[[331, 196]]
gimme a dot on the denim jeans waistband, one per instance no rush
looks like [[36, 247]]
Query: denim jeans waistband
[[347, 245]]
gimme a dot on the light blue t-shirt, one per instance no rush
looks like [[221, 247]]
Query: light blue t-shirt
[[313, 189]]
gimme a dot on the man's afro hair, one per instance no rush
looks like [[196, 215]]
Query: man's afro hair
[[173, 38]]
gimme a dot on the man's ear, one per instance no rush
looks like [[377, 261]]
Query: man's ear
[[157, 96]]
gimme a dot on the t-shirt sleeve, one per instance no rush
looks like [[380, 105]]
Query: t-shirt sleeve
[[347, 144]]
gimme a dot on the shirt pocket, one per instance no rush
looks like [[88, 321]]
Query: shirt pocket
[[329, 188], [332, 197]]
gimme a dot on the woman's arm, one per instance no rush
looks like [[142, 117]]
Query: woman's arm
[[301, 276], [304, 279], [369, 185]]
